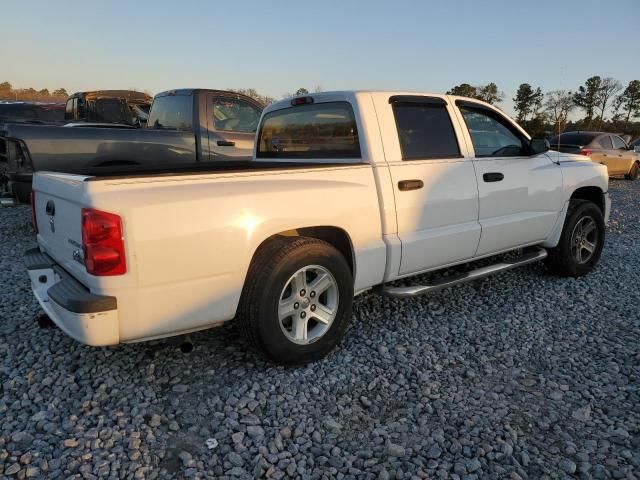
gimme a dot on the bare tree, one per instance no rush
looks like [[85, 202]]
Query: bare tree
[[608, 88], [558, 104]]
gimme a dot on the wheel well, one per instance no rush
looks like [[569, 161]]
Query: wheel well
[[332, 235], [593, 194]]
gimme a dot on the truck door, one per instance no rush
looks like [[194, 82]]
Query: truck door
[[434, 184], [521, 195], [231, 125]]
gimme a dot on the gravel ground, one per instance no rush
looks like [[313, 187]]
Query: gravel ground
[[522, 375]]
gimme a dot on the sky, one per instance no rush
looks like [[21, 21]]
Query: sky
[[279, 46]]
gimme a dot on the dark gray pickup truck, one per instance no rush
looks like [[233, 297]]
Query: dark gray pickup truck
[[185, 127]]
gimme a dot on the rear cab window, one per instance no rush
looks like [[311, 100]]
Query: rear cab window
[[172, 112], [319, 130]]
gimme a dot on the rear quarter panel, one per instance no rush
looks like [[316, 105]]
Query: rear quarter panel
[[190, 240]]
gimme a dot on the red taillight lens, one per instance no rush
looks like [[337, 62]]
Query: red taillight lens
[[33, 211], [586, 152], [102, 243]]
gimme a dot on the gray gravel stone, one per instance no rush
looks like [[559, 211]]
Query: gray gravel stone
[[521, 376]]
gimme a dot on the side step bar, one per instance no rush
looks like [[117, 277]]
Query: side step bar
[[444, 282]]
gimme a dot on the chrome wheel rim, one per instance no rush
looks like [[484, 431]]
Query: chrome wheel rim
[[308, 304], [584, 240]]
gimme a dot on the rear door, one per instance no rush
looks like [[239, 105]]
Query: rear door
[[520, 195], [602, 152], [231, 125], [434, 182]]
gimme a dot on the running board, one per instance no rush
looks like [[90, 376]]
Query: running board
[[444, 282]]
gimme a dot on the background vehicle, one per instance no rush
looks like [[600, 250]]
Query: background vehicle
[[108, 106], [605, 148], [348, 191], [186, 127], [32, 112]]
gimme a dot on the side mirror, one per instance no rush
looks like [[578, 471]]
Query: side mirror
[[539, 145]]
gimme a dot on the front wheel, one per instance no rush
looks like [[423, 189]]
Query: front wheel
[[581, 242], [296, 303], [634, 173]]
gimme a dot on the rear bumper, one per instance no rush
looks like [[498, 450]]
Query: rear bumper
[[86, 317]]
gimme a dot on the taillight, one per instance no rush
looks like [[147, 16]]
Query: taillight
[[33, 211], [586, 152], [102, 243]]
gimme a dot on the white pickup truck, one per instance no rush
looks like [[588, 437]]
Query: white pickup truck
[[347, 192]]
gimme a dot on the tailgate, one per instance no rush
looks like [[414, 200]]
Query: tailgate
[[58, 210]]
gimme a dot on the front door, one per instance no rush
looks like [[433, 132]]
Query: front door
[[232, 123], [434, 184], [624, 157], [520, 194]]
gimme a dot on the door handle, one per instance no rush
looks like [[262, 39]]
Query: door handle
[[604, 155], [493, 177], [406, 185], [226, 143]]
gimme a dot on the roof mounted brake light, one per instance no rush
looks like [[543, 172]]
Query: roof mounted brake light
[[301, 101]]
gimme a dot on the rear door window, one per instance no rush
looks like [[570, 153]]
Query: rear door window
[[321, 130], [235, 115], [605, 142], [425, 131], [172, 112]]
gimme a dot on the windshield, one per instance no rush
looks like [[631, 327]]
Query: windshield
[[573, 138]]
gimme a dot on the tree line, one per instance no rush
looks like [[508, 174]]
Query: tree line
[[540, 113], [7, 92], [544, 113]]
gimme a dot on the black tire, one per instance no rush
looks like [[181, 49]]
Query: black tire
[[562, 259], [273, 266], [634, 173]]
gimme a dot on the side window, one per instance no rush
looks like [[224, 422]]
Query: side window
[[618, 143], [605, 142], [491, 135], [235, 115], [425, 131], [68, 111]]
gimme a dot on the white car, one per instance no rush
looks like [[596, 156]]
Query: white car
[[347, 192]]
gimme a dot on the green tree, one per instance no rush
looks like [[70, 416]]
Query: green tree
[[558, 104], [629, 101], [60, 92], [44, 92], [301, 91], [489, 93], [588, 96], [5, 86], [527, 101], [464, 90]]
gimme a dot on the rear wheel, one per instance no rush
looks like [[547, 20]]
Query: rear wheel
[[581, 242], [296, 303], [634, 173]]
